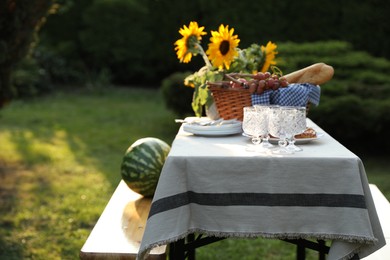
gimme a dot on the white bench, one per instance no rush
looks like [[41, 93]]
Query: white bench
[[119, 230], [382, 206]]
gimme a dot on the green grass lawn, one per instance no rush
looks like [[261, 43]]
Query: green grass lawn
[[60, 159]]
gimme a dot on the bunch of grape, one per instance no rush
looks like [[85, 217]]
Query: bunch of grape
[[257, 83]]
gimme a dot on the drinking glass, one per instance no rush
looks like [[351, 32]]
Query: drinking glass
[[279, 127], [263, 111], [253, 126], [298, 126]]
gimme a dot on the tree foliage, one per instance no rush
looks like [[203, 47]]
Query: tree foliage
[[19, 20], [134, 38]]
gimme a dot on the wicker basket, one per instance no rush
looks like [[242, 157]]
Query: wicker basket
[[231, 101]]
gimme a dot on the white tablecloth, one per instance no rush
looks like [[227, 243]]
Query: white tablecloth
[[213, 185]]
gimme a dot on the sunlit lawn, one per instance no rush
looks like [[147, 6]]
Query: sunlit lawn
[[59, 164]]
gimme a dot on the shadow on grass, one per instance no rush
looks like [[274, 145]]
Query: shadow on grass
[[93, 129], [9, 249]]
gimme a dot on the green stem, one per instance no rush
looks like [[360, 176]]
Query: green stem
[[204, 56]]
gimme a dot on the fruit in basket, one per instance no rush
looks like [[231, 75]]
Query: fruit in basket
[[239, 83], [256, 83], [283, 82], [253, 84], [142, 164]]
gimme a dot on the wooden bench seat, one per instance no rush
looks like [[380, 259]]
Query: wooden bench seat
[[119, 230], [382, 206]]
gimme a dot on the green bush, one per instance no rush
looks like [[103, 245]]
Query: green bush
[[28, 79], [177, 97], [116, 37], [361, 125], [351, 65], [59, 69]]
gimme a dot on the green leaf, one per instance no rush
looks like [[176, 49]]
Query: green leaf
[[197, 103]]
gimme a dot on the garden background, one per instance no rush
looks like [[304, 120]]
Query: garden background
[[99, 74]]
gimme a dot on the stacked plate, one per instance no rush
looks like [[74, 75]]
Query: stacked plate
[[213, 128]]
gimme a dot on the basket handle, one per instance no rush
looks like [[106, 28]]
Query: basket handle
[[316, 74]]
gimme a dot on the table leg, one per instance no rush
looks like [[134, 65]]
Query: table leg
[[191, 251], [176, 249], [301, 252], [185, 247], [321, 249], [355, 257]]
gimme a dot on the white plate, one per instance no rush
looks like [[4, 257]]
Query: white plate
[[299, 140], [214, 130]]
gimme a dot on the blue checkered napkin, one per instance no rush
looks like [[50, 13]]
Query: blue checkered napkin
[[262, 99], [296, 94]]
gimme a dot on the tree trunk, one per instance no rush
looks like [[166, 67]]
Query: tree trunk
[[6, 92]]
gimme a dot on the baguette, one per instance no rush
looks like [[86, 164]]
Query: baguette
[[316, 74]]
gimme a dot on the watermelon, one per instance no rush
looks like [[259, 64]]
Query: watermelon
[[142, 164]]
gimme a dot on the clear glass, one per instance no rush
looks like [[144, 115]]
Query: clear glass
[[280, 128], [263, 111], [254, 125], [298, 126]]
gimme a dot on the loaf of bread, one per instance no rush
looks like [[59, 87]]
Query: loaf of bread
[[316, 74]]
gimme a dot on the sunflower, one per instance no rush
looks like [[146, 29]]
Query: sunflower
[[270, 52], [222, 49], [188, 45]]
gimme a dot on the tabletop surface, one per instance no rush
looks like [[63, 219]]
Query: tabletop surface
[[213, 185]]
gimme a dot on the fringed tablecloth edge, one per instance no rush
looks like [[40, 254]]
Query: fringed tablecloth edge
[[144, 252]]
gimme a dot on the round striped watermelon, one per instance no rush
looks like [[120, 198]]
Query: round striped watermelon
[[142, 164]]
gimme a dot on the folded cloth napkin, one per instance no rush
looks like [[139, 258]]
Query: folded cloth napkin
[[296, 94]]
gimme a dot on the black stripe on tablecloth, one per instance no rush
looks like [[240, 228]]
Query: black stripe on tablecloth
[[258, 199]]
